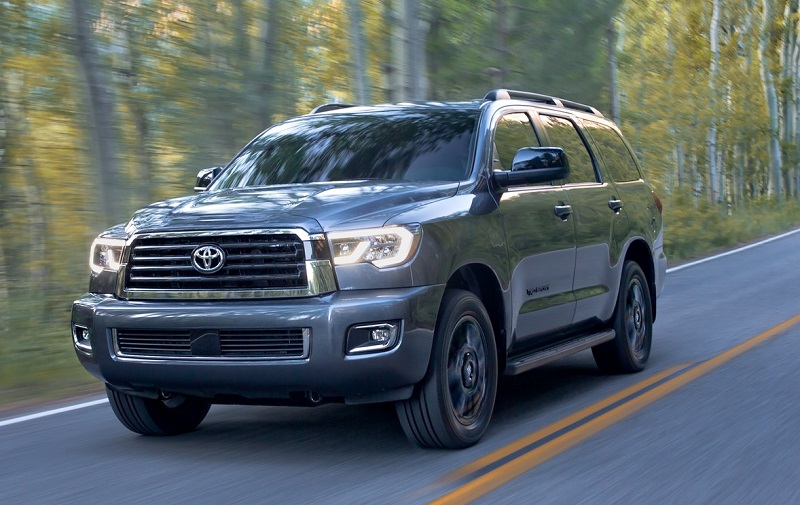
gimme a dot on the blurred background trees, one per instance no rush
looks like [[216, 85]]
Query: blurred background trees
[[107, 105]]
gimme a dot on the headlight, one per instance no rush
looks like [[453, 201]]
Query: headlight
[[383, 247], [106, 254]]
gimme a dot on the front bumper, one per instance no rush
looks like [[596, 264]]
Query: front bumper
[[327, 371]]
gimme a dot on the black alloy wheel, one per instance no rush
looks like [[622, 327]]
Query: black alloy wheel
[[452, 406], [632, 323]]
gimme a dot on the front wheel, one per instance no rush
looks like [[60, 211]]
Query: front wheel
[[633, 324], [452, 406], [147, 416]]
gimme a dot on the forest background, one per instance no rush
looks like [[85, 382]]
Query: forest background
[[107, 105]]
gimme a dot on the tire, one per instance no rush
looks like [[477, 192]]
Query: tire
[[153, 417], [633, 324], [453, 404]]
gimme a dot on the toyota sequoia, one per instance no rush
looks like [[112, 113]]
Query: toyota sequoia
[[406, 253]]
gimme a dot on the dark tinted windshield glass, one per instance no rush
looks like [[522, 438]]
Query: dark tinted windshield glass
[[402, 146]]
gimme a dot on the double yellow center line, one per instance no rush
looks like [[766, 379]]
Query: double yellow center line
[[505, 464]]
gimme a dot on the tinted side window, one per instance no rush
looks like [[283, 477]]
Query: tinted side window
[[512, 133], [563, 134], [616, 156]]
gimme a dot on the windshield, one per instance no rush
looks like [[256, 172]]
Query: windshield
[[428, 145]]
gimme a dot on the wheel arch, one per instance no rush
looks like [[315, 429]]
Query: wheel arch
[[482, 281], [639, 252]]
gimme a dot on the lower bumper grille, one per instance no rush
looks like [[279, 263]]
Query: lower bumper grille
[[227, 344]]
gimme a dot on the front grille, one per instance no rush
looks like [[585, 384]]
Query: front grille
[[253, 262], [282, 343]]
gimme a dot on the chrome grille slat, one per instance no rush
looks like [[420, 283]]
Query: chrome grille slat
[[147, 343], [218, 278], [275, 345], [270, 245], [161, 258], [170, 246], [250, 266], [162, 267], [260, 256]]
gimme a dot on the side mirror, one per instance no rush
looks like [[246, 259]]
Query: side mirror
[[534, 165], [205, 177]]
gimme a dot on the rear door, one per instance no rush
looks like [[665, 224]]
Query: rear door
[[541, 244], [633, 193]]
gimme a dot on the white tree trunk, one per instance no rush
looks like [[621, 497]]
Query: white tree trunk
[[611, 40], [5, 205], [269, 44], [101, 125], [417, 66], [768, 82], [408, 71], [503, 34], [399, 81], [362, 84], [788, 103], [713, 168], [793, 113]]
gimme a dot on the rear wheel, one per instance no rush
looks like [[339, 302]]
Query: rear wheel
[[452, 406], [633, 324], [146, 416]]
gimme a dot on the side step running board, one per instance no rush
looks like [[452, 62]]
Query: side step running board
[[520, 364]]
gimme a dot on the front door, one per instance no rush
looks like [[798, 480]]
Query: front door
[[541, 243]]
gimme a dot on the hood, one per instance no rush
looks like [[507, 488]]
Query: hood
[[314, 207]]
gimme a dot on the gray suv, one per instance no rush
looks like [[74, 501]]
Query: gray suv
[[405, 253]]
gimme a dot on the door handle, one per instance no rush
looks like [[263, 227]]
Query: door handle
[[563, 211], [615, 205]]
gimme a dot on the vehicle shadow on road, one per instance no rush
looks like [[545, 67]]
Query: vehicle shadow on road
[[332, 432]]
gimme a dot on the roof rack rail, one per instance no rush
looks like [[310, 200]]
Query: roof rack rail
[[330, 106], [508, 94]]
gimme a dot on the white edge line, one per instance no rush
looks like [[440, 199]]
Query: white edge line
[[687, 265], [78, 406], [53, 412]]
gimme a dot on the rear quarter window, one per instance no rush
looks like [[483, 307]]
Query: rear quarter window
[[616, 155]]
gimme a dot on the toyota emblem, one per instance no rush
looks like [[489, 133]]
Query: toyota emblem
[[208, 259]]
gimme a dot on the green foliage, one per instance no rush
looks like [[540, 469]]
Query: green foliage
[[694, 230], [672, 100], [555, 47]]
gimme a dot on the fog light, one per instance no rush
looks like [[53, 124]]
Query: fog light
[[80, 337], [382, 335], [376, 337]]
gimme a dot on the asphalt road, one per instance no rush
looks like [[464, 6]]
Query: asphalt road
[[702, 424]]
